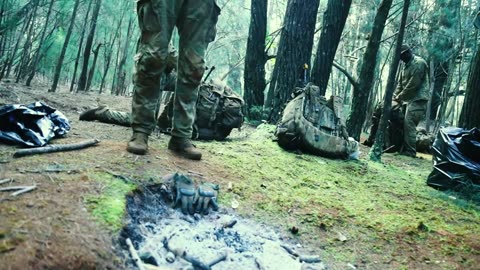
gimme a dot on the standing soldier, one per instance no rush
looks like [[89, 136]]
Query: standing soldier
[[413, 90], [195, 21]]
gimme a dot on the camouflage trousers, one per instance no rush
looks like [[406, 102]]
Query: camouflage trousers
[[114, 117], [413, 115], [195, 21]]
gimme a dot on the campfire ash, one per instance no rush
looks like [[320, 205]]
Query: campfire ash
[[167, 238]]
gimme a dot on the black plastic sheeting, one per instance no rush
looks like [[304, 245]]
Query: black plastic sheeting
[[31, 125], [456, 160]]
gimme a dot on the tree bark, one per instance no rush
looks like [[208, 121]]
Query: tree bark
[[362, 91], [121, 72], [58, 68], [82, 81], [470, 116], [294, 51], [109, 53], [333, 23], [92, 68], [255, 58], [21, 68], [36, 58], [11, 59], [377, 149], [82, 37]]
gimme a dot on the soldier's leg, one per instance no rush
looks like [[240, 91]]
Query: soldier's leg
[[156, 25], [196, 25], [106, 115], [413, 115], [116, 117], [164, 121]]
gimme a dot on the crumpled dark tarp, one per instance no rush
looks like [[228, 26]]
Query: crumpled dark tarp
[[31, 125], [456, 159]]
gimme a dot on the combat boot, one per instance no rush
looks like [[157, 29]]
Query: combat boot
[[183, 147], [138, 144], [91, 115]]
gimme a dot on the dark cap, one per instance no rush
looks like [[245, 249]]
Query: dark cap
[[404, 48]]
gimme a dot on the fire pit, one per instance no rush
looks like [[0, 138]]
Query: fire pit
[[167, 238]]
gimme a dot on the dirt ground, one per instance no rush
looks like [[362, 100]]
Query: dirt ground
[[52, 228]]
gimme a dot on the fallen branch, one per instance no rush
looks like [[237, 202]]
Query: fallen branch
[[220, 258], [55, 148], [5, 181], [14, 188], [290, 250], [136, 259], [25, 190], [310, 259]]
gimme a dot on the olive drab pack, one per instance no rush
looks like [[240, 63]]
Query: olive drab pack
[[313, 124], [219, 110]]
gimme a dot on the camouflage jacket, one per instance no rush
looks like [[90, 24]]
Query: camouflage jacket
[[413, 82]]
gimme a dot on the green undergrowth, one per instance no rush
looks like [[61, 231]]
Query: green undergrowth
[[364, 199], [109, 205]]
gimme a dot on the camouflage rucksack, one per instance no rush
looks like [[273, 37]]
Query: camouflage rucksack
[[313, 124], [219, 110]]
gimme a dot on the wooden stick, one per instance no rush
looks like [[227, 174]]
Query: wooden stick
[[6, 181], [135, 257], [221, 257], [55, 148], [290, 250], [25, 190], [14, 188]]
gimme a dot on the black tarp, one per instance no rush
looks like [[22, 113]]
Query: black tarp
[[456, 160], [31, 125]]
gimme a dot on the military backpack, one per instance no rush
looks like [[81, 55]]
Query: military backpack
[[313, 124], [219, 110]]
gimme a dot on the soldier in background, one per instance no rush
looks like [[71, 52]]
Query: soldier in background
[[412, 90], [195, 21]]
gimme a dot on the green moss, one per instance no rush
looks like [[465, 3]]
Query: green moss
[[377, 199], [109, 206]]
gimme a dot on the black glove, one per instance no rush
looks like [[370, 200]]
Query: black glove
[[185, 193], [205, 196]]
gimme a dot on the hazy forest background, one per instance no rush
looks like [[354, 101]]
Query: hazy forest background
[[260, 50], [77, 54]]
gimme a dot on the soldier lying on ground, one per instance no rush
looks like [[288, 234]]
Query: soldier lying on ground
[[219, 110], [394, 133]]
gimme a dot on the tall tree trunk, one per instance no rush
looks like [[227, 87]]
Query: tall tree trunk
[[114, 77], [36, 58], [109, 53], [79, 51], [58, 68], [470, 116], [11, 59], [333, 23], [377, 149], [121, 73], [294, 51], [362, 91], [4, 36], [255, 58], [22, 66], [82, 81], [92, 68]]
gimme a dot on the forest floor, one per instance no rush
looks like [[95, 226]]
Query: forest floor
[[354, 214]]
